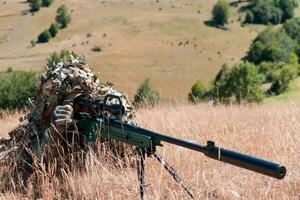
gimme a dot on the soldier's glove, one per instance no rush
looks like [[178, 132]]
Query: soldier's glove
[[62, 118]]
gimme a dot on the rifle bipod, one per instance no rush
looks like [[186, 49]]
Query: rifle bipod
[[165, 164]]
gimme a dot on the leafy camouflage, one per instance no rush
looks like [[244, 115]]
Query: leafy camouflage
[[37, 137]]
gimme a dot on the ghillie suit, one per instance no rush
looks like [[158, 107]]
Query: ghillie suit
[[49, 134]]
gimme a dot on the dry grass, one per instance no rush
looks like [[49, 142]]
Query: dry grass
[[141, 40], [267, 131], [8, 121]]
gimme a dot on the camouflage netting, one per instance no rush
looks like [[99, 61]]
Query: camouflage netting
[[29, 142]]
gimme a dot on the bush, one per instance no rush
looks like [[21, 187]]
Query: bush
[[88, 35], [271, 45], [35, 5], [198, 92], [62, 16], [96, 48], [47, 3], [56, 57], [54, 29], [146, 96], [221, 12], [44, 37], [241, 83], [15, 89]]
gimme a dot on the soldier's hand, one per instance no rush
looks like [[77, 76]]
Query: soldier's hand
[[62, 117]]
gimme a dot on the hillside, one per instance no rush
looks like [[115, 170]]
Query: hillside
[[166, 41], [267, 131]]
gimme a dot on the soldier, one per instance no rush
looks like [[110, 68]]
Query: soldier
[[49, 131]]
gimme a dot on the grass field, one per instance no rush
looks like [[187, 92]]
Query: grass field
[[166, 41], [170, 43], [267, 131]]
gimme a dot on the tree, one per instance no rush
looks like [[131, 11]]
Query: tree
[[271, 45], [198, 92], [221, 12], [245, 83], [220, 90], [249, 17], [241, 83], [53, 29], [35, 5], [270, 11], [267, 13], [146, 96], [62, 16], [292, 28], [44, 37], [46, 3], [288, 7]]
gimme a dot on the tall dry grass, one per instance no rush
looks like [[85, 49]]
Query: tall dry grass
[[268, 131]]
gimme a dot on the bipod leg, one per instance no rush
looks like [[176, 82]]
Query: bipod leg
[[173, 173], [141, 171]]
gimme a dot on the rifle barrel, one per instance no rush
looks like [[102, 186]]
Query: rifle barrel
[[241, 160]]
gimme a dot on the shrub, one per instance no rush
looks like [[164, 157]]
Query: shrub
[[54, 29], [56, 57], [46, 3], [62, 16], [44, 37], [88, 35], [198, 92], [271, 45], [221, 12], [96, 48], [15, 89], [35, 5], [146, 96]]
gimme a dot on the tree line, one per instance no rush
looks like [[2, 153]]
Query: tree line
[[272, 60], [271, 63], [257, 11]]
